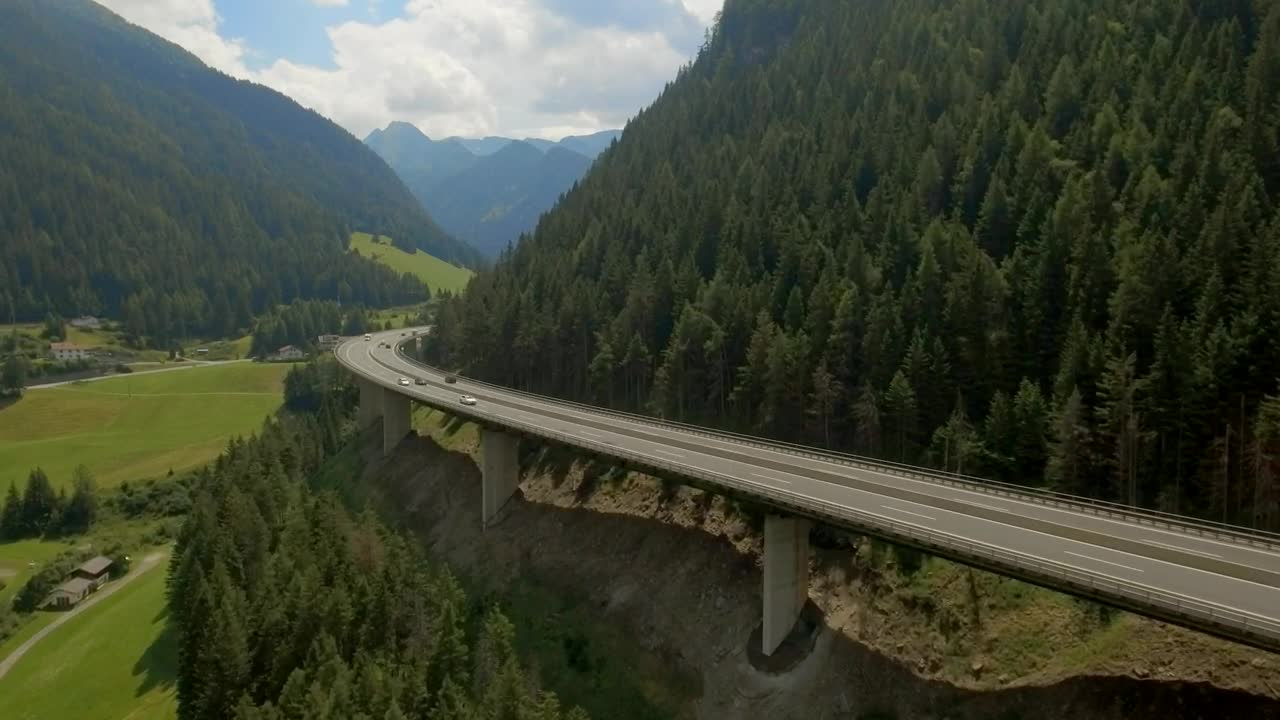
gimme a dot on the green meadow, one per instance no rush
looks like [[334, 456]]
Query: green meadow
[[131, 427]]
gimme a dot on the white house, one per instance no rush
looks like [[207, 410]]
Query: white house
[[287, 353], [68, 351], [86, 322]]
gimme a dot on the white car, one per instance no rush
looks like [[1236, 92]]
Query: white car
[[404, 381], [367, 336], [467, 400]]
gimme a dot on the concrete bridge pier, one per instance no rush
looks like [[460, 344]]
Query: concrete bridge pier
[[500, 471], [786, 577], [395, 419], [370, 408]]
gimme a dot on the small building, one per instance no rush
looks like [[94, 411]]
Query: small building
[[95, 571], [328, 342], [288, 353], [68, 351], [70, 593], [202, 351], [86, 322]]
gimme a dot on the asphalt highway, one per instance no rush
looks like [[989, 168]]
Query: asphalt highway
[[1202, 572]]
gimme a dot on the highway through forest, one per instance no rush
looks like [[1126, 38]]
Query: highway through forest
[[1207, 577]]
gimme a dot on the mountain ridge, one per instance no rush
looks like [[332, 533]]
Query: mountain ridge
[[487, 191]]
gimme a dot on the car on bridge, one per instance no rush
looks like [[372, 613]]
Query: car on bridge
[[419, 381], [367, 336], [451, 379], [467, 400], [404, 381]]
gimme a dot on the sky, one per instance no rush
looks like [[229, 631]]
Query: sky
[[519, 68]]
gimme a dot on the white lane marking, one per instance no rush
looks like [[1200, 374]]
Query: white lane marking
[[1086, 557], [907, 512], [983, 505], [588, 433], [668, 453], [1181, 549], [854, 472], [771, 478]]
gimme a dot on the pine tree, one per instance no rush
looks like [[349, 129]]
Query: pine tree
[[12, 525]]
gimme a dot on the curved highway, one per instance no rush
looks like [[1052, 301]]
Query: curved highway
[[1218, 583]]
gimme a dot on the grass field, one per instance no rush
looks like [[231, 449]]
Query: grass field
[[134, 427], [15, 559], [436, 273], [115, 660]]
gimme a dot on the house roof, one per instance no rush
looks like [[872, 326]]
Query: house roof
[[96, 566], [75, 586]]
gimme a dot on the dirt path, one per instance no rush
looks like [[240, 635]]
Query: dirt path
[[147, 563], [190, 365]]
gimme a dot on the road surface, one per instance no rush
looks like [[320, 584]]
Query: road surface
[[1215, 579], [184, 366]]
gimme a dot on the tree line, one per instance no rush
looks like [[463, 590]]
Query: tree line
[[40, 511], [301, 322], [288, 606], [1032, 241]]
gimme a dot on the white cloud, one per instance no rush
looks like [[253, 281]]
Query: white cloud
[[193, 24], [463, 67]]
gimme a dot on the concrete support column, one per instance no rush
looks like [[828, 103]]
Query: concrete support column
[[370, 402], [395, 419], [500, 471], [786, 577]]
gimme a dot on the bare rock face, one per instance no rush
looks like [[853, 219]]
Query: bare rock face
[[680, 571]]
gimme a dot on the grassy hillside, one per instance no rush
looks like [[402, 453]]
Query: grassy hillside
[[436, 273], [135, 426], [115, 658]]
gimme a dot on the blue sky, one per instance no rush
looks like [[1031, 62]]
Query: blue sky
[[295, 29], [541, 68]]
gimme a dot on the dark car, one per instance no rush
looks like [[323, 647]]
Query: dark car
[[451, 379], [419, 381]]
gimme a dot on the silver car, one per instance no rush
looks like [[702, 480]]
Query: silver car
[[467, 400]]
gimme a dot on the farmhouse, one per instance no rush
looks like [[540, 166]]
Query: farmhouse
[[69, 594], [95, 571], [287, 353], [91, 575], [68, 351], [86, 322]]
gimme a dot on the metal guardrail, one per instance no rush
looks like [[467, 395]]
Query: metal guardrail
[[1238, 625], [1077, 503], [1217, 619]]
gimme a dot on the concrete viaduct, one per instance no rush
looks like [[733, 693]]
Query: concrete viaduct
[[1214, 578]]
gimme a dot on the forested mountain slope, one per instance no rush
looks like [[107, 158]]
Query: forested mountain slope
[[137, 181], [1035, 241]]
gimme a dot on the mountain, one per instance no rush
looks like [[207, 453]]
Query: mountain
[[487, 191], [139, 183], [502, 195], [1037, 242], [420, 161], [590, 145], [483, 146]]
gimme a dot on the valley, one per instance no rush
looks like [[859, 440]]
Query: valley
[[711, 359]]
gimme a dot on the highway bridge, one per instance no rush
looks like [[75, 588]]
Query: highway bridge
[[1218, 579]]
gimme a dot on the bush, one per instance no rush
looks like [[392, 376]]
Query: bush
[[46, 579]]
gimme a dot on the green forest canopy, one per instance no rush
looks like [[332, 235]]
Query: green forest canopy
[[1034, 241], [141, 184]]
